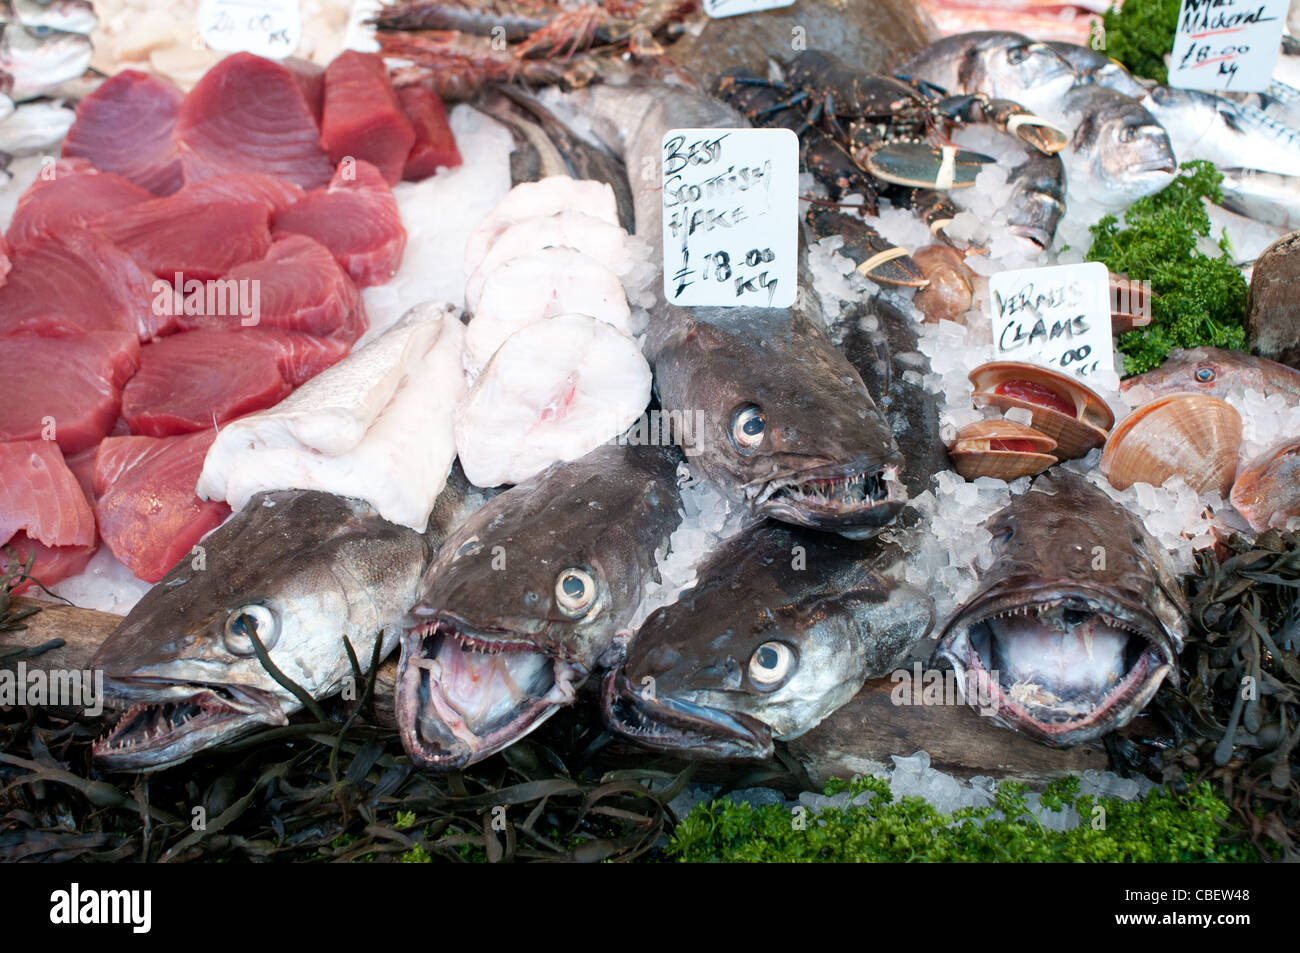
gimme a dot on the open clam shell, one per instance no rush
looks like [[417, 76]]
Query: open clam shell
[[1194, 436], [1002, 449], [1064, 409]]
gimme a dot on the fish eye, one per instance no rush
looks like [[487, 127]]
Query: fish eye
[[1128, 134], [747, 428], [1016, 55], [1204, 374], [770, 664], [246, 619], [575, 592]]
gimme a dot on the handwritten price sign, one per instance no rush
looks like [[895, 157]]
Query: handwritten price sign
[[731, 217], [271, 28], [1058, 317], [1226, 44]]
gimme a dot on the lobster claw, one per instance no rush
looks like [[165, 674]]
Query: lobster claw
[[873, 255], [921, 165], [1024, 125]]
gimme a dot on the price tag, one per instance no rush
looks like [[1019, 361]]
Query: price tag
[[731, 217], [270, 28], [731, 8], [1058, 317], [1226, 44]]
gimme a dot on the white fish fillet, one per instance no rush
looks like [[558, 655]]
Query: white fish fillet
[[555, 390], [540, 285], [397, 461], [605, 242], [545, 197]]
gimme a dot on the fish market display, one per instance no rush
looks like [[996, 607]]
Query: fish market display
[[783, 629], [494, 652], [331, 370], [1077, 621], [301, 570], [377, 426]]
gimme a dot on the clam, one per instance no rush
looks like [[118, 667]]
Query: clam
[[950, 291], [1062, 407], [1193, 436], [1002, 449]]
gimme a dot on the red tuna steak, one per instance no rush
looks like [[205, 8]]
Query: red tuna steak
[[356, 219], [435, 146], [43, 512], [299, 287], [39, 496], [249, 114], [50, 564], [126, 127], [193, 233], [74, 193], [71, 386], [77, 282], [201, 379], [363, 117], [145, 505]]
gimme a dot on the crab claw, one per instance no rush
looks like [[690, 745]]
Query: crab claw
[[921, 165], [1024, 125]]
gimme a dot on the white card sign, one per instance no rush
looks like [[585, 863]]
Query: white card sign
[[270, 28], [731, 217], [731, 8], [1226, 44], [1058, 317]]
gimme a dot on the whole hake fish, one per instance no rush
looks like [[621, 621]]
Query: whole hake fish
[[783, 628], [527, 597], [300, 569], [1078, 620], [788, 426]]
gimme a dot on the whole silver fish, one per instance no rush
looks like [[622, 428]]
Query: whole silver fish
[[1090, 66], [73, 16], [34, 60], [788, 426], [1078, 620], [301, 569], [1264, 196], [35, 127], [1117, 146], [527, 598], [996, 63], [1037, 201], [783, 628], [1229, 134]]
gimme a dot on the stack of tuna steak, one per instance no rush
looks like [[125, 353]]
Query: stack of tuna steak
[[192, 258]]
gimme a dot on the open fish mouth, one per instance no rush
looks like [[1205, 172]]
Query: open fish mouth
[[171, 721], [685, 729], [850, 499], [461, 697], [1063, 665]]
